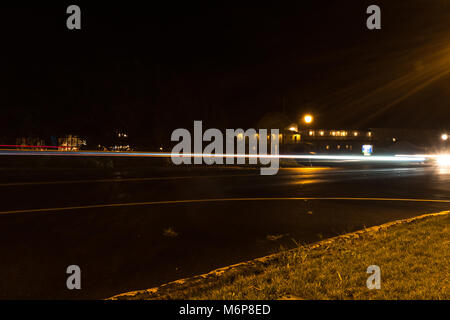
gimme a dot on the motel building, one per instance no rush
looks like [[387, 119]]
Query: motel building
[[378, 140], [325, 141]]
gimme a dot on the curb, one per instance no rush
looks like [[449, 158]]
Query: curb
[[160, 292]]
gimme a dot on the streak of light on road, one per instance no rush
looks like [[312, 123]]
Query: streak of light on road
[[169, 202], [397, 158]]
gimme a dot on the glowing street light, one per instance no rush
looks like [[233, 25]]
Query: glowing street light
[[293, 127], [444, 137], [308, 118]]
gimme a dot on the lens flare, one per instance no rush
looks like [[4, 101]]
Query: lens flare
[[443, 160]]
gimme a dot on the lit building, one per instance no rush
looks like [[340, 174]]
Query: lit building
[[70, 143], [383, 140], [120, 141], [296, 138], [336, 141], [30, 143]]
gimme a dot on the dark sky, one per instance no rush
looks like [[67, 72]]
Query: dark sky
[[150, 69]]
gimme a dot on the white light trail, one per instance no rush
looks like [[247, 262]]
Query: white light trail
[[356, 158]]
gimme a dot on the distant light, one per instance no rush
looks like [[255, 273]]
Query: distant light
[[443, 160], [444, 137], [308, 118], [292, 129], [367, 149], [394, 140]]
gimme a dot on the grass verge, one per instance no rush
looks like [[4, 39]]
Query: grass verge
[[413, 256]]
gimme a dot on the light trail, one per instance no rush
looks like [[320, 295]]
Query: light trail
[[24, 146], [396, 158], [442, 160], [119, 180], [169, 202], [431, 156]]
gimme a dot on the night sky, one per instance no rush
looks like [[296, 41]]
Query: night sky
[[149, 69]]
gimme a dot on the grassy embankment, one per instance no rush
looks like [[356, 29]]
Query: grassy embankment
[[414, 257]]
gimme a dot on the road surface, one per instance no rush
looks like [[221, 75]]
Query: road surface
[[136, 229]]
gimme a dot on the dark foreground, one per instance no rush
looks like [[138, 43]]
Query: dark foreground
[[140, 246]]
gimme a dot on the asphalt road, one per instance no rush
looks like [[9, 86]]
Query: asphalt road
[[135, 229]]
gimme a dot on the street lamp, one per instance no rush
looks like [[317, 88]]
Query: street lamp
[[444, 137], [308, 118]]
